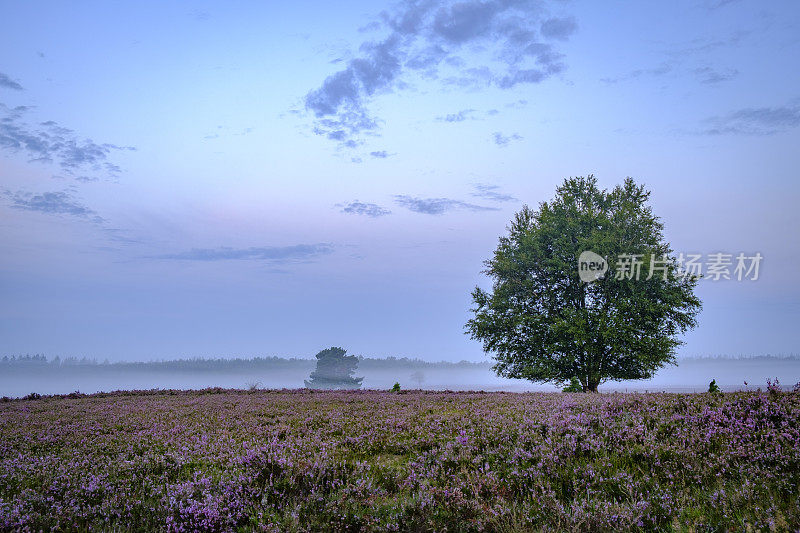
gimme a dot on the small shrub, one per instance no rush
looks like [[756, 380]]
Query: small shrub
[[396, 387], [253, 385], [713, 388], [32, 396], [574, 385], [774, 387]]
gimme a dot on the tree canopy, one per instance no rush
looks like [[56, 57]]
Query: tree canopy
[[334, 370], [543, 323]]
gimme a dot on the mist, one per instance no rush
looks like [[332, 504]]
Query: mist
[[25, 375]]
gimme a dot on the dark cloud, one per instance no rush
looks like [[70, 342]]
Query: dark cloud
[[559, 28], [755, 121], [491, 192], [49, 142], [437, 206], [273, 254], [711, 76], [503, 140], [52, 203], [426, 37], [8, 83], [362, 208]]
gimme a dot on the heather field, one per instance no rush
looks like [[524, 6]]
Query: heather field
[[227, 460]]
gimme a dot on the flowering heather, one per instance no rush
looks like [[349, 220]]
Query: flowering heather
[[224, 460]]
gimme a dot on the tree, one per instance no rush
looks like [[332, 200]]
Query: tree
[[418, 377], [544, 323], [334, 370]]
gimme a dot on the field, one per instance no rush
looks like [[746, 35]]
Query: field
[[220, 460]]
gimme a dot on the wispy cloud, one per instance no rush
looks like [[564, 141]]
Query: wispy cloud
[[712, 76], [755, 121], [426, 38], [491, 192], [52, 143], [504, 140], [437, 206], [366, 209], [380, 154], [704, 45], [298, 253], [222, 131], [52, 203], [8, 83], [716, 4], [660, 70]]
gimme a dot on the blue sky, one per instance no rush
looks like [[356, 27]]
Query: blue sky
[[242, 178]]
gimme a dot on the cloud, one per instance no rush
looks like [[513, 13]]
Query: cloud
[[503, 140], [711, 76], [461, 116], [366, 209], [8, 83], [755, 121], [491, 192], [380, 154], [560, 29], [50, 142], [426, 38], [200, 15], [437, 206], [704, 45], [660, 70], [52, 203], [716, 4], [274, 254]]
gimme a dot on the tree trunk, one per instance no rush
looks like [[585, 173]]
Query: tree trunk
[[591, 386]]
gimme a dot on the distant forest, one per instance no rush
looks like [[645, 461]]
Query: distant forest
[[226, 365]]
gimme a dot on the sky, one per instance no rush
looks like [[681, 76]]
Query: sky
[[271, 178]]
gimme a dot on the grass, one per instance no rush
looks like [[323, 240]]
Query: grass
[[226, 460]]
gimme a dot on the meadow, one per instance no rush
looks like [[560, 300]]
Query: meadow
[[233, 460]]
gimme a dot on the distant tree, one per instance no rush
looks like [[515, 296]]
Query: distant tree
[[334, 370], [396, 387], [713, 388], [544, 323], [418, 377]]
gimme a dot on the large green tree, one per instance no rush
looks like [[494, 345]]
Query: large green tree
[[543, 323]]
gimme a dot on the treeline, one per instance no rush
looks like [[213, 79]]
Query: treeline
[[740, 357], [225, 365]]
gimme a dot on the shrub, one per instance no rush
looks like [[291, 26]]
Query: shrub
[[774, 387], [574, 385], [396, 387], [712, 387]]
